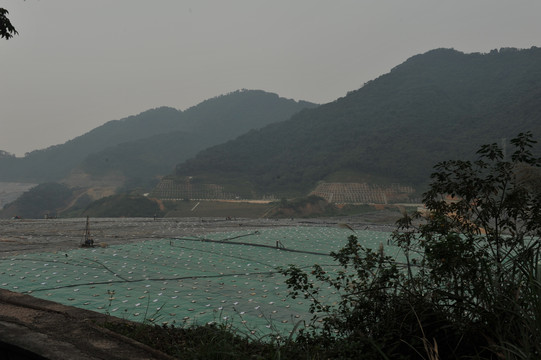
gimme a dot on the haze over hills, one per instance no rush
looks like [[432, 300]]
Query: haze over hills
[[143, 146], [435, 106], [55, 162], [211, 122]]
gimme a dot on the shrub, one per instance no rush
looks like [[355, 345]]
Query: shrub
[[469, 284]]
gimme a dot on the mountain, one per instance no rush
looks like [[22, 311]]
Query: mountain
[[143, 146], [211, 122], [435, 106], [55, 162], [40, 201]]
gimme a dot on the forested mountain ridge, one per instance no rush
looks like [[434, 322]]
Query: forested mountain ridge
[[154, 140], [435, 106], [211, 122], [55, 162]]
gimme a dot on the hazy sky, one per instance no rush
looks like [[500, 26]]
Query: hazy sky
[[78, 64]]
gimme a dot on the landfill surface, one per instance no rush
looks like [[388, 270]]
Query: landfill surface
[[185, 271]]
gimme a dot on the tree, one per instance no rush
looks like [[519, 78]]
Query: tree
[[468, 278], [480, 248], [7, 30]]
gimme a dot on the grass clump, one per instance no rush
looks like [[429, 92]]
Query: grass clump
[[214, 341], [209, 341]]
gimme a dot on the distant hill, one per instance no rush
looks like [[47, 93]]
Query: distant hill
[[149, 144], [211, 122], [123, 205], [43, 200], [435, 106], [11, 191], [55, 162], [132, 153]]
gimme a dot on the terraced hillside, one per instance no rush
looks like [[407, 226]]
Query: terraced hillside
[[363, 193]]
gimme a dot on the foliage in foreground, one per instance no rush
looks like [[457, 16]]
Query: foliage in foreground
[[211, 341], [7, 30], [467, 283]]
